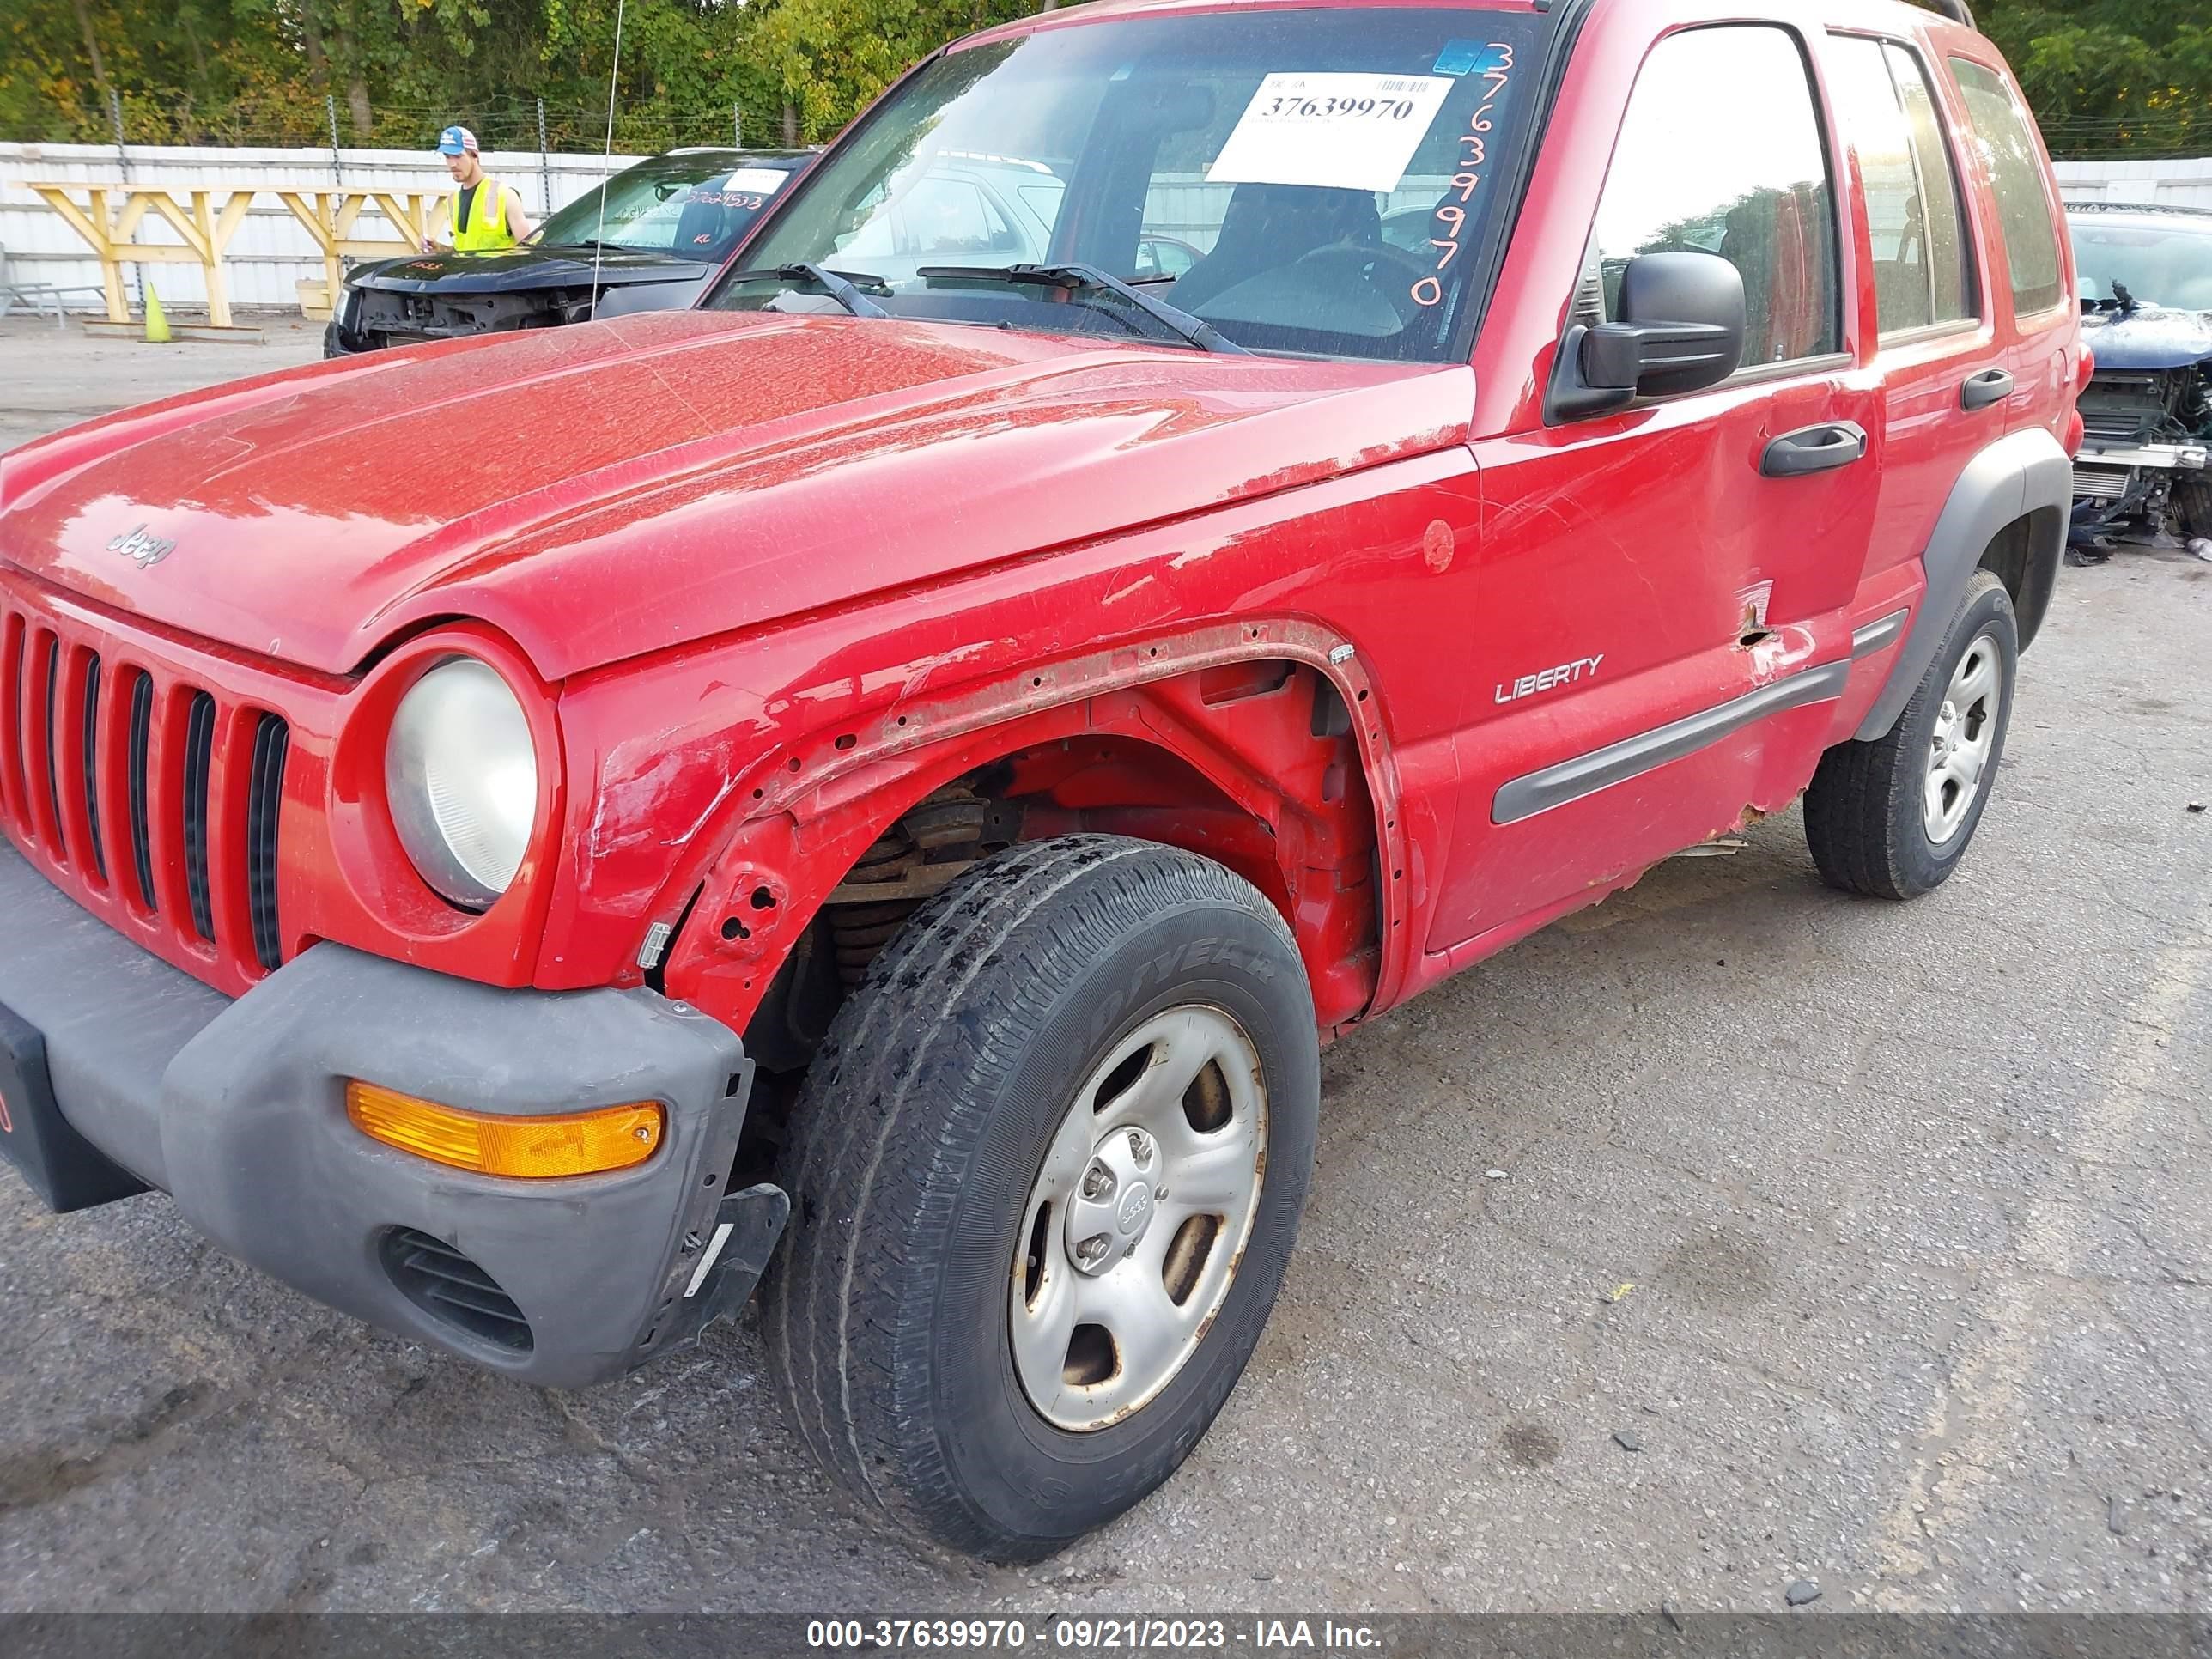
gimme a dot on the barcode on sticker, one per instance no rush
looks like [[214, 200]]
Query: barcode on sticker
[[1381, 86]]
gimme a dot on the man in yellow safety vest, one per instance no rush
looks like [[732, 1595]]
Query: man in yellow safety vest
[[484, 214]]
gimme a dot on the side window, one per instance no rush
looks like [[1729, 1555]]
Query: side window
[[1887, 114], [2024, 208], [1950, 243], [1720, 153], [1044, 200]]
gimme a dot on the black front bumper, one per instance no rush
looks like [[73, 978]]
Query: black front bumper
[[237, 1110]]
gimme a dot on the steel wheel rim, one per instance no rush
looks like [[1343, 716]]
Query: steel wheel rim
[[1964, 738], [1097, 1334]]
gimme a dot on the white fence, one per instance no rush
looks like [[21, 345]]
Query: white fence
[[2173, 183], [272, 252]]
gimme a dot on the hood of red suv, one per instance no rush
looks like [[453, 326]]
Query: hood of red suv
[[603, 491]]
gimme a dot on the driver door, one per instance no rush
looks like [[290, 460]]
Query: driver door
[[1661, 612]]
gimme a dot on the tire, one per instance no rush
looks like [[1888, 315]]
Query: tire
[[918, 1148], [1870, 816], [2192, 503]]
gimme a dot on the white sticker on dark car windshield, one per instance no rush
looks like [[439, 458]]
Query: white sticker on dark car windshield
[[758, 181], [1342, 131]]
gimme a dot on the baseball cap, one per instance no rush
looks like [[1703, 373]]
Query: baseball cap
[[457, 141]]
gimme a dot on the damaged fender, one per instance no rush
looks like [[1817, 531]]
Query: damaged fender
[[2021, 474]]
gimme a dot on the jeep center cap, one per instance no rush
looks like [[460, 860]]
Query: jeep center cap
[[1116, 1202]]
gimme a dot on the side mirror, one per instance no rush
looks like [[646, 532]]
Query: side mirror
[[1681, 329]]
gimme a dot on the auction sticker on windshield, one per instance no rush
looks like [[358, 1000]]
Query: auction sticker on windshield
[[1345, 131], [758, 181]]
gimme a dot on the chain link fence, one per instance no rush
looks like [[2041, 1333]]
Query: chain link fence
[[2159, 135]]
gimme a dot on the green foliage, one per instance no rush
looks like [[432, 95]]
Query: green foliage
[[271, 71], [830, 58], [2106, 78], [2111, 77]]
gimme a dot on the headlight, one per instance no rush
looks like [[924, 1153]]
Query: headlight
[[460, 774]]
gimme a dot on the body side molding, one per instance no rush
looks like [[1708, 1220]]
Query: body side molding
[[1866, 641], [1585, 774]]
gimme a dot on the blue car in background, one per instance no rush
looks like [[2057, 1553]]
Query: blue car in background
[[2145, 471]]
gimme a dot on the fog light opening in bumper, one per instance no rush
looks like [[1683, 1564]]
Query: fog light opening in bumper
[[534, 1148], [453, 1289]]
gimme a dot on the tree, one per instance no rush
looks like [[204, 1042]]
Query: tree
[[2106, 78], [398, 69], [2111, 77], [830, 58]]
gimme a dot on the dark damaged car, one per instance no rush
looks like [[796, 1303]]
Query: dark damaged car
[[2145, 471], [666, 227]]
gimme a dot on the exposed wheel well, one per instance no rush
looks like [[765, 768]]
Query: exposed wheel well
[[1252, 763], [2024, 556]]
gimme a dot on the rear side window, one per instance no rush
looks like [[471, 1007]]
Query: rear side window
[[2024, 210], [1720, 153], [1921, 275]]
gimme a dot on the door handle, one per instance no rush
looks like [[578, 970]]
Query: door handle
[[1992, 385], [1815, 449]]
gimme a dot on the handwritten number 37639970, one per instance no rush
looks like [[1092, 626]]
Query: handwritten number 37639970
[[1473, 152]]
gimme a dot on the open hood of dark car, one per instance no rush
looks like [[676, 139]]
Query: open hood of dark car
[[526, 267]]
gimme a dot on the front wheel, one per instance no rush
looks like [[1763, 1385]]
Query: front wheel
[[1893, 817], [1046, 1175]]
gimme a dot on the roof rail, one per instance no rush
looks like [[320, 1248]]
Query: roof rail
[[1957, 10]]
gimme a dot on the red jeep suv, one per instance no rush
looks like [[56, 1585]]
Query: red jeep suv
[[880, 785]]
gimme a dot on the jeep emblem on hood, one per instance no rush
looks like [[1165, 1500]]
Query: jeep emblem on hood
[[147, 550]]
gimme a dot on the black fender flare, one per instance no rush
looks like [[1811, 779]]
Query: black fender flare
[[2024, 475]]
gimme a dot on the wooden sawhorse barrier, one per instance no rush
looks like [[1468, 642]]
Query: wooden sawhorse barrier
[[329, 212], [206, 217]]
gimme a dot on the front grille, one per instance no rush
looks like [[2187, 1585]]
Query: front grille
[[272, 741], [141, 830], [154, 799], [449, 1286], [200, 752], [49, 694], [88, 748]]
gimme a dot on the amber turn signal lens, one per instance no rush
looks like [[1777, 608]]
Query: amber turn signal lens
[[524, 1148]]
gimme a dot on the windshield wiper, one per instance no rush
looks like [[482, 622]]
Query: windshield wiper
[[838, 286], [1078, 278]]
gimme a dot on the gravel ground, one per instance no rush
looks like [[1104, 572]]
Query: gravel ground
[[1859, 1243], [50, 379]]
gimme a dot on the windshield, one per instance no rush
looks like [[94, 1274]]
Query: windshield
[[2158, 265], [1309, 181], [696, 205]]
